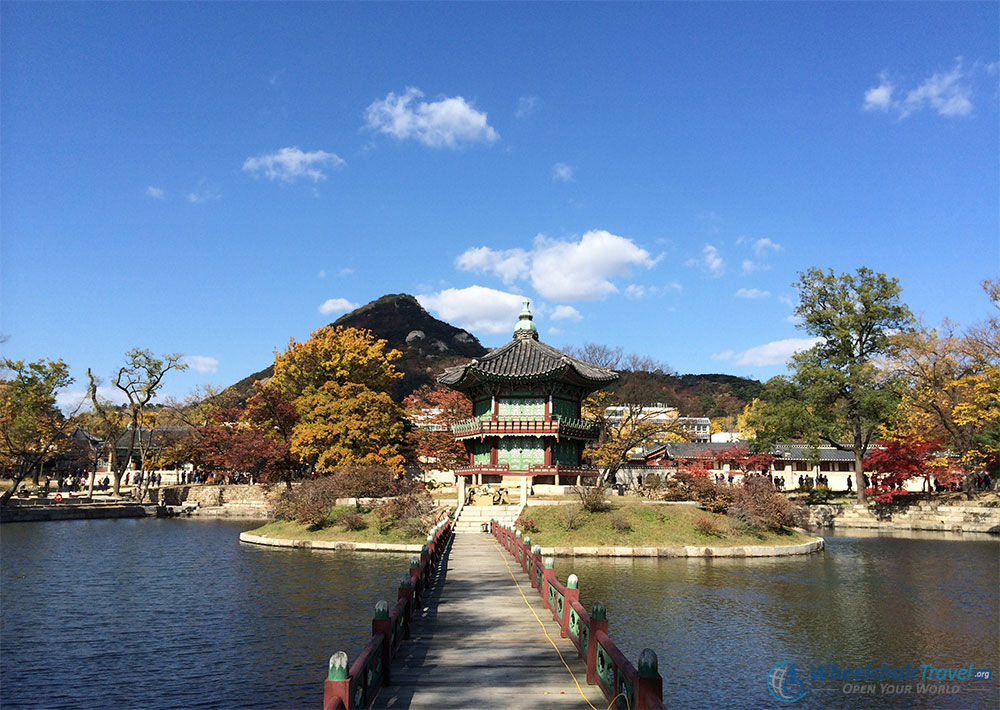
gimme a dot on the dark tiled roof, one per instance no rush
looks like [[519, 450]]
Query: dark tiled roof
[[525, 358], [790, 451]]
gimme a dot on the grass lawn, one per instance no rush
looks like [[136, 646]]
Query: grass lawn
[[290, 530], [650, 526]]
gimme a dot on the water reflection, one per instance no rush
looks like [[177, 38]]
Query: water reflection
[[166, 614], [718, 626]]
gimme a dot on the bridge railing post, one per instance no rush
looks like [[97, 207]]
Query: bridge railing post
[[572, 595], [649, 684], [536, 564], [525, 550], [548, 577], [598, 622], [406, 592], [337, 687], [516, 551], [381, 625], [415, 578]]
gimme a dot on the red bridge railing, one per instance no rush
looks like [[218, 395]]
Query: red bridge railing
[[347, 688], [607, 666]]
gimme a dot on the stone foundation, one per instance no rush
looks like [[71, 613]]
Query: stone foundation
[[919, 516]]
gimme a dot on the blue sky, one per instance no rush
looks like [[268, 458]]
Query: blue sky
[[213, 179]]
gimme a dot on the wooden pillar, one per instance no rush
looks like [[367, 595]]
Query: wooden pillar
[[548, 451]]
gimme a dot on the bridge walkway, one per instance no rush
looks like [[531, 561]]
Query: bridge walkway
[[476, 645]]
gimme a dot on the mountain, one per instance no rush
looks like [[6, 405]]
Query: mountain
[[428, 345]]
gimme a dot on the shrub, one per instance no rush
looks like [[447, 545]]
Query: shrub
[[708, 526], [527, 525], [757, 506], [352, 521], [371, 481], [309, 503], [572, 517], [620, 523], [407, 511], [592, 499], [715, 497]]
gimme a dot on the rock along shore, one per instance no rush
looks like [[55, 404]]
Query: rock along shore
[[329, 544]]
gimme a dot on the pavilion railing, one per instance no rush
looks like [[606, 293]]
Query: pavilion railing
[[504, 426], [607, 666], [347, 688]]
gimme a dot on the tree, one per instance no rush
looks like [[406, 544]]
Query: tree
[[348, 425], [741, 458], [341, 381], [837, 390], [139, 379], [952, 389], [32, 427], [892, 463], [338, 355], [432, 410]]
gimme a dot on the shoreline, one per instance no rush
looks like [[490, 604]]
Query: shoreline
[[814, 545], [329, 544]]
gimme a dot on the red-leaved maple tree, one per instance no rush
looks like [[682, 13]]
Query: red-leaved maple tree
[[892, 463]]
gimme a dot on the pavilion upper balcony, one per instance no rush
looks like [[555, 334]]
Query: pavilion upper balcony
[[526, 426]]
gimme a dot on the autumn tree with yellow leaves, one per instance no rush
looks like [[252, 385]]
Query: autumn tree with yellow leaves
[[340, 381], [953, 388]]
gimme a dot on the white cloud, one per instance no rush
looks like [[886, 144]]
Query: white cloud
[[765, 245], [336, 305], [638, 291], [508, 264], [438, 124], [711, 260], [947, 93], [787, 300], [582, 271], [290, 164], [562, 172], [344, 272], [202, 363], [565, 313], [942, 92], [752, 293], [561, 270], [204, 193], [475, 308], [774, 353], [321, 274], [879, 98], [526, 105], [749, 267], [157, 193]]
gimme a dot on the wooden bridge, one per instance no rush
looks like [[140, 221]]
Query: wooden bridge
[[482, 622]]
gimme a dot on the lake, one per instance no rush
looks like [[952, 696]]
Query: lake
[[179, 614]]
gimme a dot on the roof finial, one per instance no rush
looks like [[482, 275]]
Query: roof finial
[[525, 327]]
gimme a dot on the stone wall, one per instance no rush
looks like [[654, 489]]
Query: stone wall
[[207, 496], [920, 516]]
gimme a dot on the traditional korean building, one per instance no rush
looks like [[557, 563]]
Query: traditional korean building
[[526, 399]]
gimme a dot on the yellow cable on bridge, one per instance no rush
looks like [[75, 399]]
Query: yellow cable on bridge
[[517, 584]]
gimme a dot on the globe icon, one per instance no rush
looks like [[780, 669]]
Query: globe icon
[[783, 684]]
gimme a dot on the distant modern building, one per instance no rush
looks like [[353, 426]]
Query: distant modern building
[[527, 425], [693, 428]]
